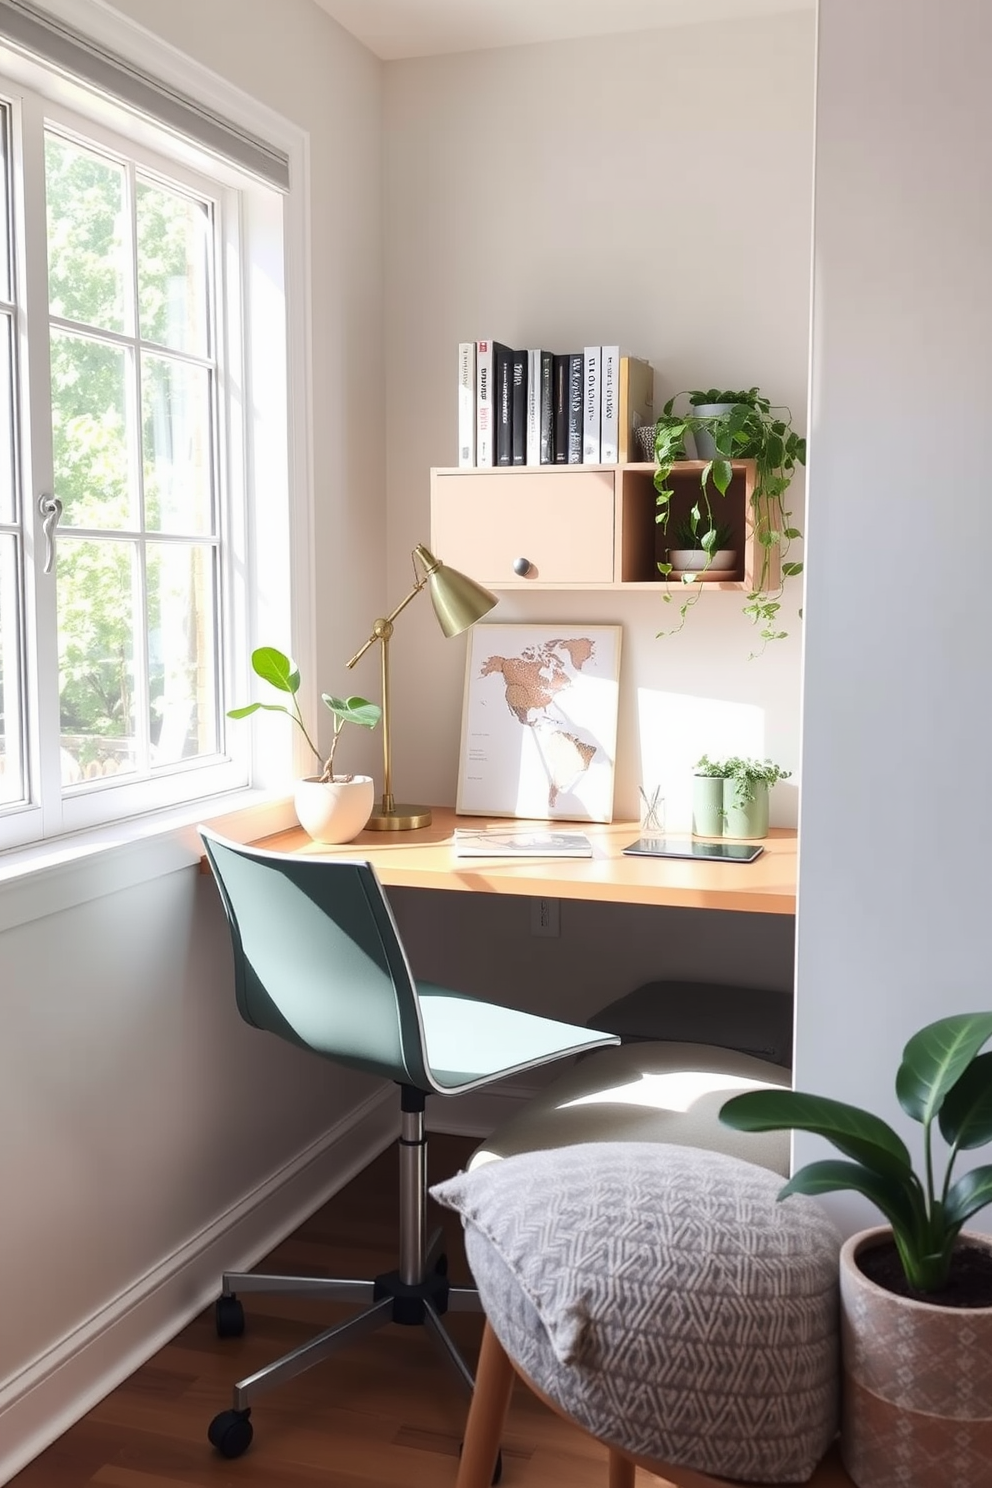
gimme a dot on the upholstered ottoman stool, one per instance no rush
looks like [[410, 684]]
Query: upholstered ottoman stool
[[660, 1297]]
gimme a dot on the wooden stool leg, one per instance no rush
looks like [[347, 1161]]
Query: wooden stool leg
[[622, 1470], [487, 1413]]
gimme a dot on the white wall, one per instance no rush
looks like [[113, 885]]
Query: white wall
[[651, 189], [895, 875], [149, 1138], [655, 190]]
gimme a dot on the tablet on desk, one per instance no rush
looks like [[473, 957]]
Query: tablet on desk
[[714, 852]]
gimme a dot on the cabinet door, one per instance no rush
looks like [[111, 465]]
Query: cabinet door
[[559, 521]]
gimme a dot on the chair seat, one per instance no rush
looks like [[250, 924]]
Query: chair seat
[[469, 1041]]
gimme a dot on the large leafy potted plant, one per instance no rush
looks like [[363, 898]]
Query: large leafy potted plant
[[331, 808], [916, 1294], [734, 425]]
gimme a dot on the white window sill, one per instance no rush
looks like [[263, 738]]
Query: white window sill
[[49, 877]]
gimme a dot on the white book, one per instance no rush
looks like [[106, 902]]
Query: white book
[[485, 424], [466, 404], [609, 406], [591, 380], [493, 842], [533, 408]]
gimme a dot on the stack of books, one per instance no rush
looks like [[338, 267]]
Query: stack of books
[[547, 408]]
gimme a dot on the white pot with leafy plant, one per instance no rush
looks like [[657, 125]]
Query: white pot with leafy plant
[[737, 425], [703, 550], [916, 1294], [331, 808], [740, 802]]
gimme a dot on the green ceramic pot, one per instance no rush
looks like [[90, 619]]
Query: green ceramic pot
[[745, 818], [707, 805]]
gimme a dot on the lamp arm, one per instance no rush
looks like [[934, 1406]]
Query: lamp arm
[[383, 628]]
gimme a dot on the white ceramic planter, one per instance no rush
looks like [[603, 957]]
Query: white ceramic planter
[[334, 810], [689, 560]]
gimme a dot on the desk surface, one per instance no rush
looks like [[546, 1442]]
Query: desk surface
[[425, 859]]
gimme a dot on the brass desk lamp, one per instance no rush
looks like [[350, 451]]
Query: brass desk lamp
[[458, 603]]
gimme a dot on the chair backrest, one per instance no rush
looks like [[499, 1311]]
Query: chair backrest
[[318, 959]]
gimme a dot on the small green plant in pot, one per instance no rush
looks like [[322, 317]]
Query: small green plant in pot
[[916, 1293], [332, 808], [697, 546], [740, 804], [746, 427]]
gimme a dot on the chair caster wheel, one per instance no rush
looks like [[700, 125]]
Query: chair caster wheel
[[231, 1432], [229, 1317], [497, 1470]]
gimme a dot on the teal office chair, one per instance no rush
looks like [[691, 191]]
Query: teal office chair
[[318, 961]]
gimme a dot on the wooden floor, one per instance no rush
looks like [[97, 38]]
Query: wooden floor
[[386, 1412]]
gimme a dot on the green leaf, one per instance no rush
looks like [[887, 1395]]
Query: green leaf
[[790, 570], [722, 475], [244, 712], [854, 1132], [353, 710], [275, 667], [900, 1207], [791, 532], [966, 1115], [971, 1192], [935, 1058]]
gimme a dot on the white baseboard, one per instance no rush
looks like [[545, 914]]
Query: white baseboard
[[43, 1400]]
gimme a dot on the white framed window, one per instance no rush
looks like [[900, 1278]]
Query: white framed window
[[145, 352]]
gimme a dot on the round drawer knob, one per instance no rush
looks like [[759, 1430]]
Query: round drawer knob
[[522, 566]]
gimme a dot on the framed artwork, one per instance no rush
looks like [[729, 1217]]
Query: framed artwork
[[539, 722]]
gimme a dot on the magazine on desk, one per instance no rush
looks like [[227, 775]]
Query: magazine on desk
[[512, 842]]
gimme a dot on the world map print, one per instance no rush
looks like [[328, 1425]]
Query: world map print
[[540, 728]]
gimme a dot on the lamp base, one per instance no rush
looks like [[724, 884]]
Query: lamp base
[[398, 818]]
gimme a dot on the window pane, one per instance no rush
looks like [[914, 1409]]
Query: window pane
[[173, 244], [89, 432], [4, 199], [177, 427], [7, 513], [86, 224], [181, 646], [12, 784], [96, 658]]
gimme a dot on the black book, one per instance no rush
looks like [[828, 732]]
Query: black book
[[575, 407], [518, 409], [547, 409], [560, 408], [503, 406]]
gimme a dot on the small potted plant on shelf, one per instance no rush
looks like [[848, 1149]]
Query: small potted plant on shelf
[[736, 425], [916, 1293], [730, 797], [706, 551], [331, 808]]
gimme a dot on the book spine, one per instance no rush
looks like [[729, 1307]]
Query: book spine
[[503, 364], [547, 408], [609, 421], [591, 398], [532, 444], [466, 404], [484, 426], [560, 434], [575, 361], [518, 414]]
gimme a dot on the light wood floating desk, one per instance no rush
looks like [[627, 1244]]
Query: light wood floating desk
[[425, 859]]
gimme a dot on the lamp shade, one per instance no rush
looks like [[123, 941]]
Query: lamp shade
[[458, 600]]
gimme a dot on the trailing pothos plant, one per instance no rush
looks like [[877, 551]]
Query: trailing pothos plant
[[943, 1078], [750, 428]]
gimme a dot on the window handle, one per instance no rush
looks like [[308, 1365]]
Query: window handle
[[51, 510]]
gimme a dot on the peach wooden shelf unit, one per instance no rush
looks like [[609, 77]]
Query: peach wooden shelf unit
[[582, 526]]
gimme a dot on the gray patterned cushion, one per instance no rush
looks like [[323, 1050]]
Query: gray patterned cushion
[[664, 1299]]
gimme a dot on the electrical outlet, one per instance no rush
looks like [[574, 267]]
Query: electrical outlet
[[545, 917]]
